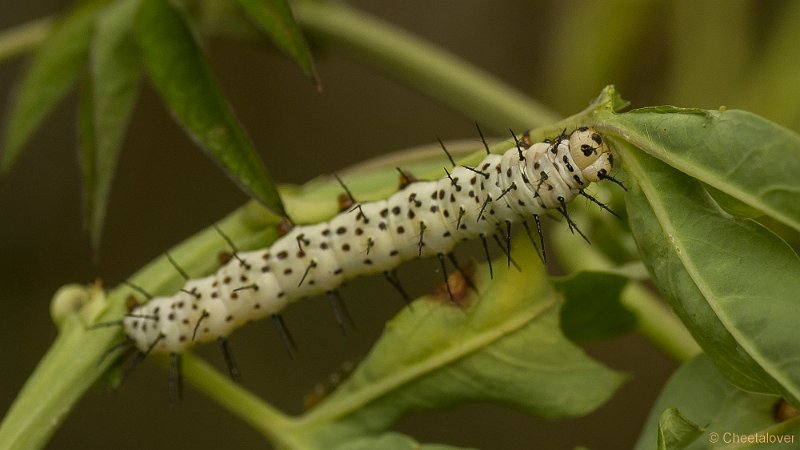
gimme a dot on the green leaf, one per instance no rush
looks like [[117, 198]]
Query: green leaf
[[275, 18], [181, 75], [705, 397], [592, 308], [392, 441], [731, 205], [115, 75], [87, 151], [504, 347], [676, 432], [743, 155], [733, 283], [53, 70]]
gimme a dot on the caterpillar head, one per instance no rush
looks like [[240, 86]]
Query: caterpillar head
[[590, 153]]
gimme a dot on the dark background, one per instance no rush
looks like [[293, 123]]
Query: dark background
[[166, 190]]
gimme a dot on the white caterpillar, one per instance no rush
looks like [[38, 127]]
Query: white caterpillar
[[423, 219]]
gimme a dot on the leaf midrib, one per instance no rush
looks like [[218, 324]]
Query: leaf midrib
[[362, 397], [691, 168], [663, 218]]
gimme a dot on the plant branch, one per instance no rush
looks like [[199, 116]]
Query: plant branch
[[233, 397], [75, 360], [429, 69]]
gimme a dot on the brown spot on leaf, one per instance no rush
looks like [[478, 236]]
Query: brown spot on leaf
[[459, 286]]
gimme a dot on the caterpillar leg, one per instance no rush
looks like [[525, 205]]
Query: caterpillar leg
[[140, 356], [233, 369], [175, 378], [505, 250], [340, 311], [126, 345], [603, 175], [541, 235], [488, 257], [530, 237], [444, 274], [600, 204], [286, 337], [391, 277], [508, 241], [467, 277], [572, 225]]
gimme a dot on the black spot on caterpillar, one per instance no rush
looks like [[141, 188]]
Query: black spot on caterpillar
[[424, 218]]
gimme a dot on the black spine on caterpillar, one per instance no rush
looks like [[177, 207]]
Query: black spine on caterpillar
[[424, 219]]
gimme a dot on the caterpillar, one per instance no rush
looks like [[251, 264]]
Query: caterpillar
[[424, 218]]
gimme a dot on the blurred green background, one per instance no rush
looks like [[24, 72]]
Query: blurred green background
[[735, 53]]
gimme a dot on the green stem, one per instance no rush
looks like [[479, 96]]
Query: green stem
[[658, 323], [654, 320], [429, 69], [233, 397], [23, 38], [73, 363], [62, 376]]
